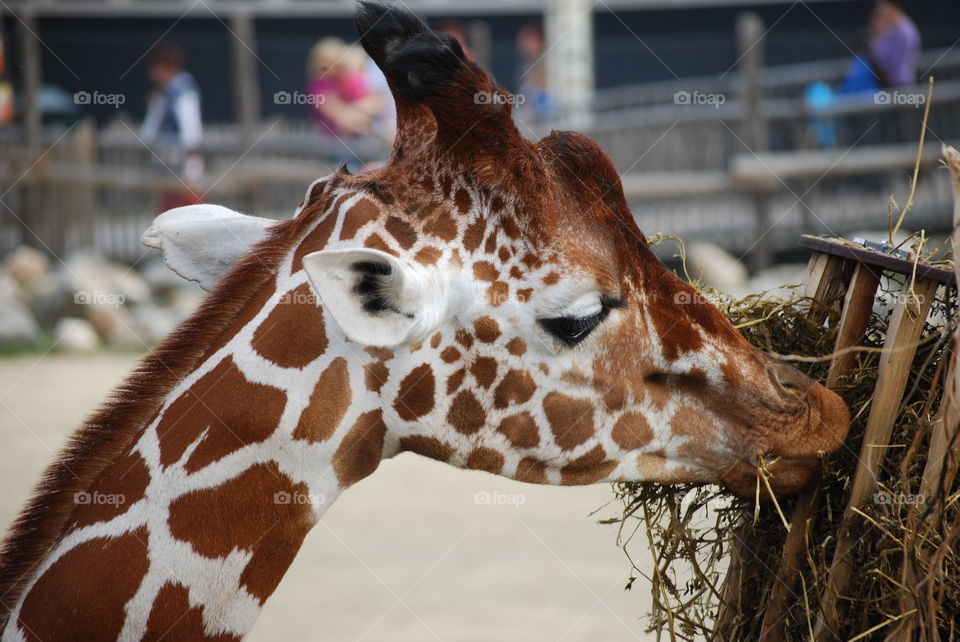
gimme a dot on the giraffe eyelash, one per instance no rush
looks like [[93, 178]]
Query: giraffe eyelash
[[572, 330]]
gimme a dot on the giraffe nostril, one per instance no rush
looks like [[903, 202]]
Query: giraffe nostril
[[789, 379]]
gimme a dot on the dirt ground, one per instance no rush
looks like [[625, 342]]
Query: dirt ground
[[410, 553]]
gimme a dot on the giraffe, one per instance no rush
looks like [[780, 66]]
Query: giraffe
[[482, 300]]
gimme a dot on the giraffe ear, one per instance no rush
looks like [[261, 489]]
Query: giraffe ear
[[202, 242], [376, 298]]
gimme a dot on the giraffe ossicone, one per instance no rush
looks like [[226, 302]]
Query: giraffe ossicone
[[481, 299]]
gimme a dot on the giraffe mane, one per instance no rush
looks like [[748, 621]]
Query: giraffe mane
[[123, 416]]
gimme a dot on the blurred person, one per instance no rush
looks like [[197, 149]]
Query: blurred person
[[894, 44], [336, 91], [173, 122], [537, 103], [6, 87]]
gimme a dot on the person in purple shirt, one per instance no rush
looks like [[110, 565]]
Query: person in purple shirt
[[894, 44]]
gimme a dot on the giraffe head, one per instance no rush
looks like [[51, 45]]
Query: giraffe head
[[515, 319]]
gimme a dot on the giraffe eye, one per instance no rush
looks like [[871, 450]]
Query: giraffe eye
[[572, 330]]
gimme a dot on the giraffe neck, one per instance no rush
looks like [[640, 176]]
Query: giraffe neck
[[209, 504]]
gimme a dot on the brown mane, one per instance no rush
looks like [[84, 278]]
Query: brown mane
[[113, 427]]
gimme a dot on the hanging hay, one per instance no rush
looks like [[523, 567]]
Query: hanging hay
[[710, 548]]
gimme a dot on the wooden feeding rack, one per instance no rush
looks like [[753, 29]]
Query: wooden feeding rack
[[851, 271]]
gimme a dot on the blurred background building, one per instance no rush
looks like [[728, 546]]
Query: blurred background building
[[740, 124]]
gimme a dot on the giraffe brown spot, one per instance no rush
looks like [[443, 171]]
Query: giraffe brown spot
[[516, 387], [615, 397], [571, 420], [473, 236], [125, 481], [416, 346], [485, 459], [454, 380], [464, 338], [524, 294], [446, 185], [375, 375], [294, 334], [382, 354], [632, 431], [59, 605], [415, 398], [484, 369], [449, 354], [428, 256], [485, 271], [402, 231], [328, 404], [375, 242], [427, 446], [315, 240], [498, 294], [466, 414], [444, 227], [172, 618], [462, 200], [531, 260], [531, 471], [363, 212], [435, 340], [487, 329], [496, 204], [521, 430], [587, 469], [551, 278], [515, 272], [491, 245], [504, 254], [245, 513], [510, 227], [361, 450], [517, 346], [233, 411]]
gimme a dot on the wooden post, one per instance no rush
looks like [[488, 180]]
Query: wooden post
[[857, 308], [750, 33], [246, 86], [899, 348], [26, 28]]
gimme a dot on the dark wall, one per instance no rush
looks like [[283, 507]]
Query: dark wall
[[108, 55]]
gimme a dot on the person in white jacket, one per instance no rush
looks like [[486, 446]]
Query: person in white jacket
[[173, 126]]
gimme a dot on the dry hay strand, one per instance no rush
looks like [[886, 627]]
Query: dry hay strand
[[710, 548]]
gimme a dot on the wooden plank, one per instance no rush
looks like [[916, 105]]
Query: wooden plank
[[823, 282], [857, 308], [878, 259], [899, 348]]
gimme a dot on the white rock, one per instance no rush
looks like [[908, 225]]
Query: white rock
[[17, 325], [74, 335], [714, 266]]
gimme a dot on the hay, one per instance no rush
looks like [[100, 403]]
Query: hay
[[908, 559]]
